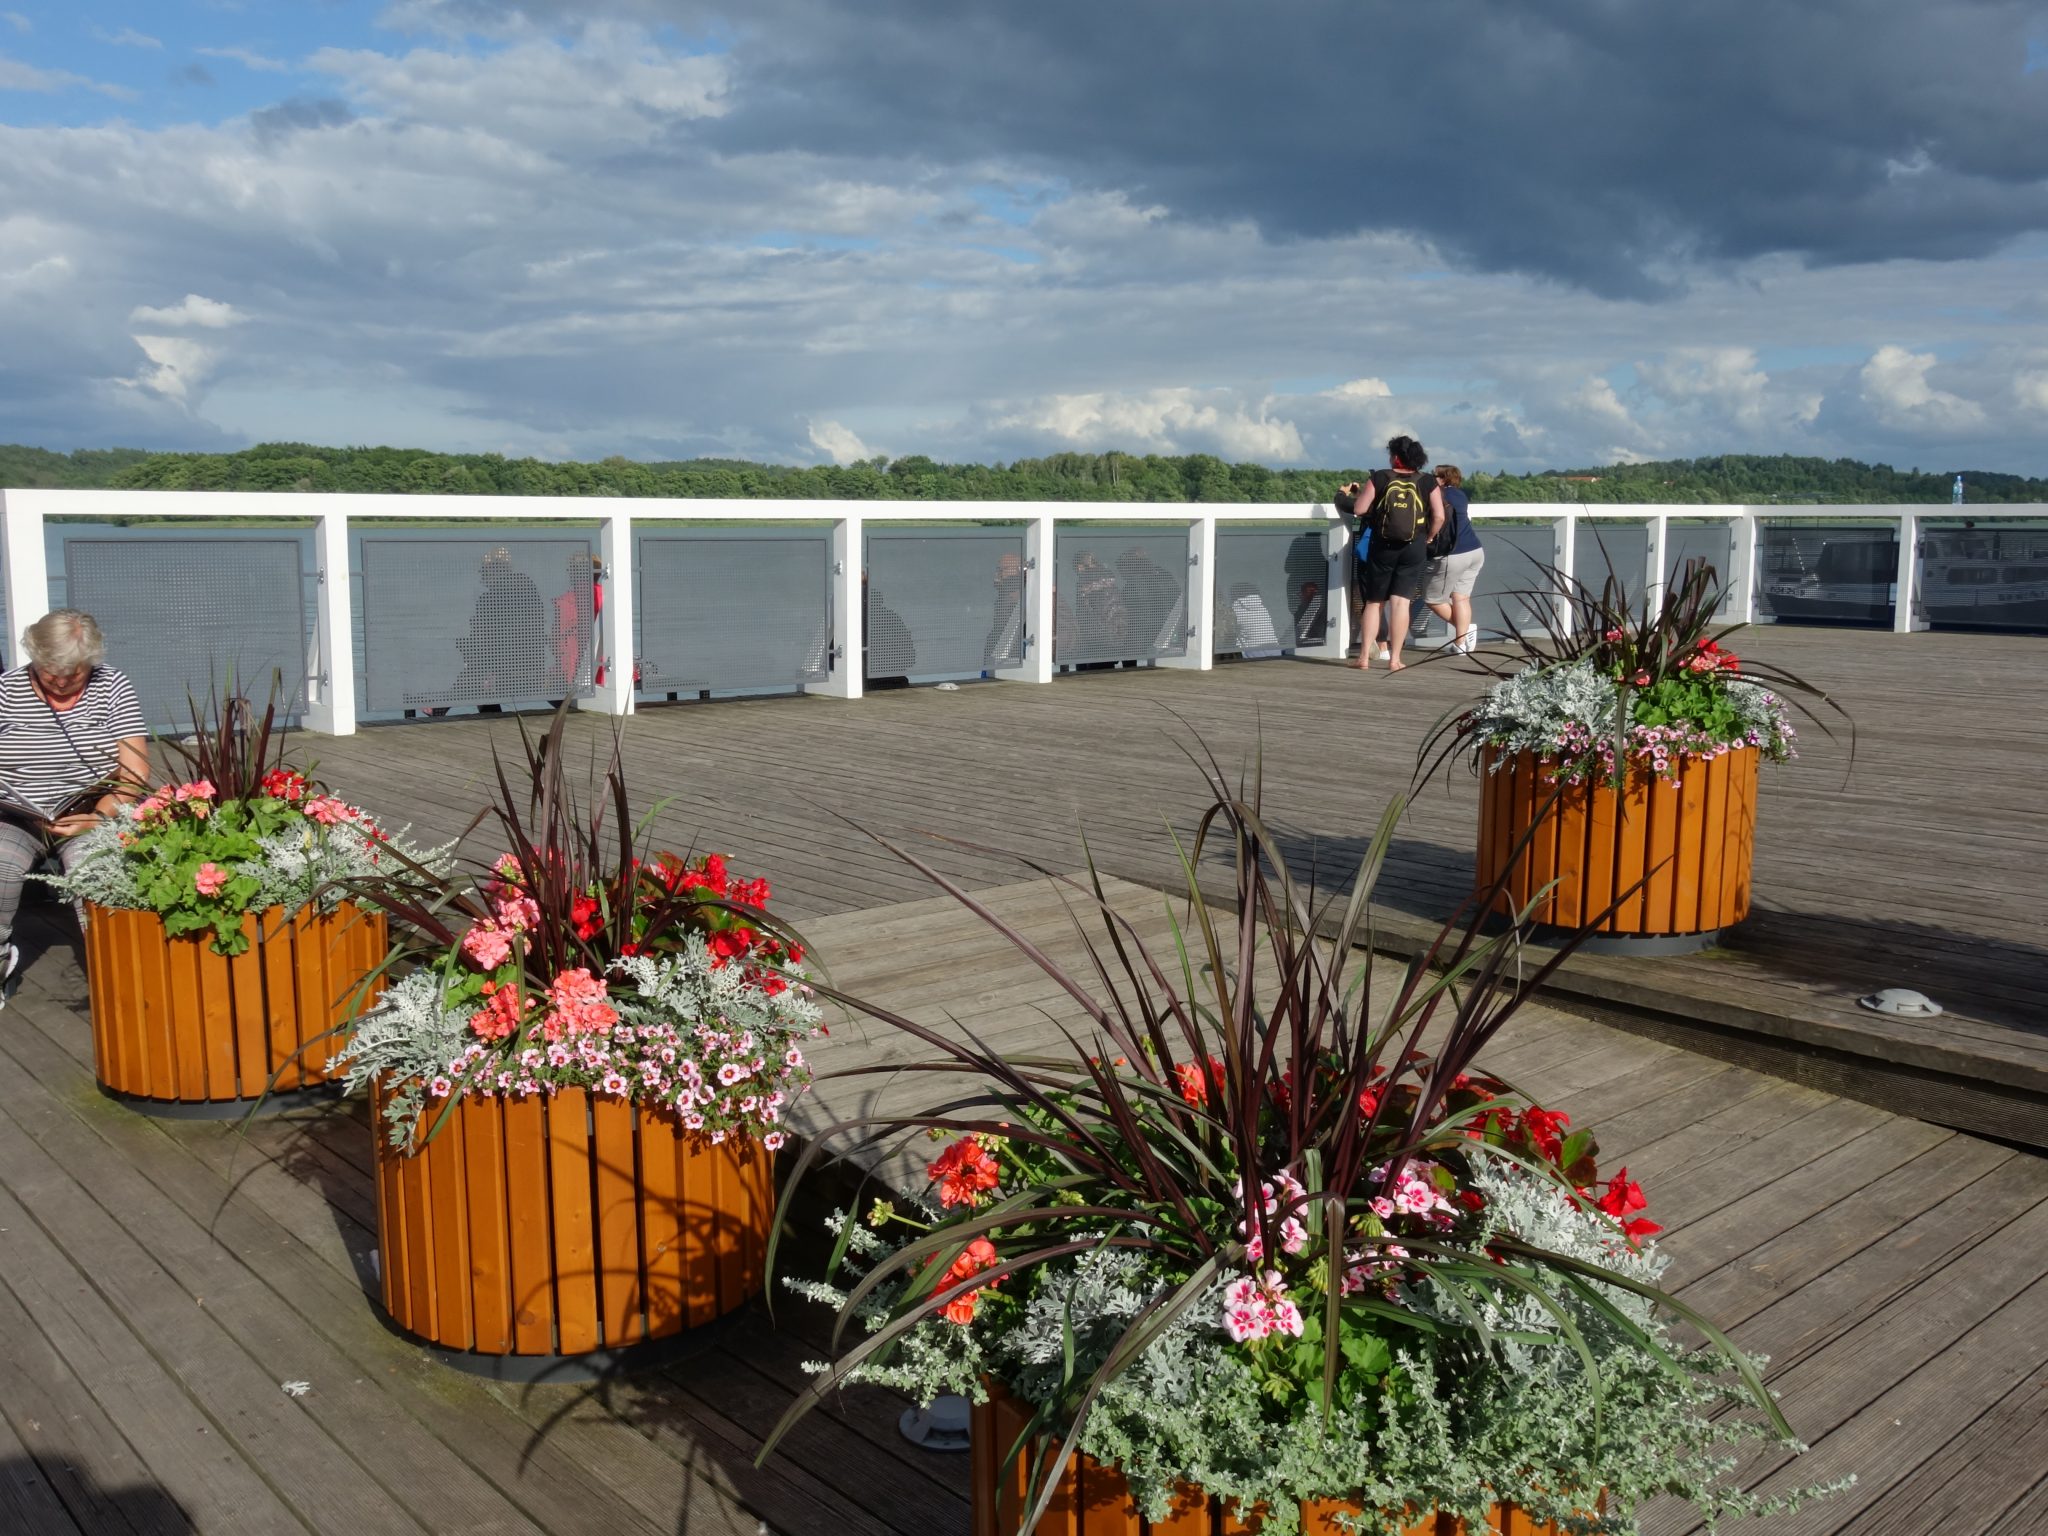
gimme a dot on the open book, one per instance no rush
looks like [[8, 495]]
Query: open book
[[16, 806]]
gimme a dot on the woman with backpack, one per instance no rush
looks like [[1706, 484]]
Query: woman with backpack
[[1455, 558], [1404, 510]]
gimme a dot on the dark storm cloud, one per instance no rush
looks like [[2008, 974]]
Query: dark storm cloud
[[1605, 143]]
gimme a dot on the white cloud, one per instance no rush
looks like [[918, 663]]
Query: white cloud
[[17, 76], [210, 314], [2032, 391], [612, 85], [180, 363], [1163, 421], [1894, 384], [19, 22], [128, 37], [1361, 389], [838, 442], [248, 58]]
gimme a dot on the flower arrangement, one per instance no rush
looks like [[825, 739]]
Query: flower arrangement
[[1614, 689], [1254, 1239], [575, 960], [240, 832]]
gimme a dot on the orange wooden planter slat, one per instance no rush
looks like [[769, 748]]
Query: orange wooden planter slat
[[175, 1022], [1094, 1500], [563, 1225], [1689, 844]]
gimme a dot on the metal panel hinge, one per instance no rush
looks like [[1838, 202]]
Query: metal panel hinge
[[1194, 557]]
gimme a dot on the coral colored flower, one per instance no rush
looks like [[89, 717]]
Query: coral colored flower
[[1193, 1083], [578, 1006], [500, 1013], [964, 1172], [977, 1256], [488, 945], [210, 879]]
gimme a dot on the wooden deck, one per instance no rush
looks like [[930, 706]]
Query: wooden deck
[[1925, 864], [161, 1281]]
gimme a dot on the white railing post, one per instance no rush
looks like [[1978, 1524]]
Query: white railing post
[[1907, 590], [1564, 544], [1041, 543], [847, 636], [27, 570], [1200, 655], [1741, 603], [615, 632], [1336, 595], [1660, 566], [331, 702]]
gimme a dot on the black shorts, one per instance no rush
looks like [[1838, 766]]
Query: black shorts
[[1393, 570]]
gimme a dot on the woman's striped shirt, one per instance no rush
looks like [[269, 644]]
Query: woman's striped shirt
[[48, 758]]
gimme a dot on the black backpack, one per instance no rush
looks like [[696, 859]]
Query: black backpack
[[1446, 539], [1402, 515]]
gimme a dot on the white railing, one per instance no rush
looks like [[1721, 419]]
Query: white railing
[[331, 705]]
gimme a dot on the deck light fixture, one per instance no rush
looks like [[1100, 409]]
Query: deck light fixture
[[941, 1427]]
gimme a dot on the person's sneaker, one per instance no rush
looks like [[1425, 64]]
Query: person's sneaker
[[10, 962], [1385, 654]]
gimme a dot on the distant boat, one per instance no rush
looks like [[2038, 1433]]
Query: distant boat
[[1994, 578], [1985, 577], [1849, 581]]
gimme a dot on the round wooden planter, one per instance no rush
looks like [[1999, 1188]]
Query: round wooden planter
[[1690, 842], [1093, 1499], [559, 1227], [174, 1024]]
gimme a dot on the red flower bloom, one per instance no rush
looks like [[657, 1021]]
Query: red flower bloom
[[979, 1255], [584, 916], [1624, 1196], [1193, 1079], [1546, 1130], [964, 1172]]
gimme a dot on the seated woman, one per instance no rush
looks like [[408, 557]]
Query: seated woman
[[73, 747]]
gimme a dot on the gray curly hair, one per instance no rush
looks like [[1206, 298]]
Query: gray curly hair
[[64, 640]]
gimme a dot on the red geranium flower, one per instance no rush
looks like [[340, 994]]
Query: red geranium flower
[[964, 1172], [979, 1255], [583, 916]]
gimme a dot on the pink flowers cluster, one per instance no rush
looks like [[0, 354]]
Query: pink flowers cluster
[[194, 798], [490, 942], [1255, 1309], [722, 1080], [1657, 749], [1415, 1193], [1281, 1188]]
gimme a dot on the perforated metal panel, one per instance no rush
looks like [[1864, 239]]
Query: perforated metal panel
[[1623, 547], [497, 619], [738, 609], [1838, 573], [1120, 594], [1270, 590], [1712, 542], [1991, 576], [1513, 578], [183, 616], [944, 602]]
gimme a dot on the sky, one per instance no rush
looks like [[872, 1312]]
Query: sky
[[807, 231]]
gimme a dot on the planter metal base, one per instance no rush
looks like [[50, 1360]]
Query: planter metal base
[[317, 1097]]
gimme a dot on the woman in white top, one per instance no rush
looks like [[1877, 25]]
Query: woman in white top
[[73, 747]]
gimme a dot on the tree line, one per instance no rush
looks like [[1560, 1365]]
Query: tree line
[[1105, 477]]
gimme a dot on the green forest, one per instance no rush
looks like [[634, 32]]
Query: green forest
[[1195, 477]]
